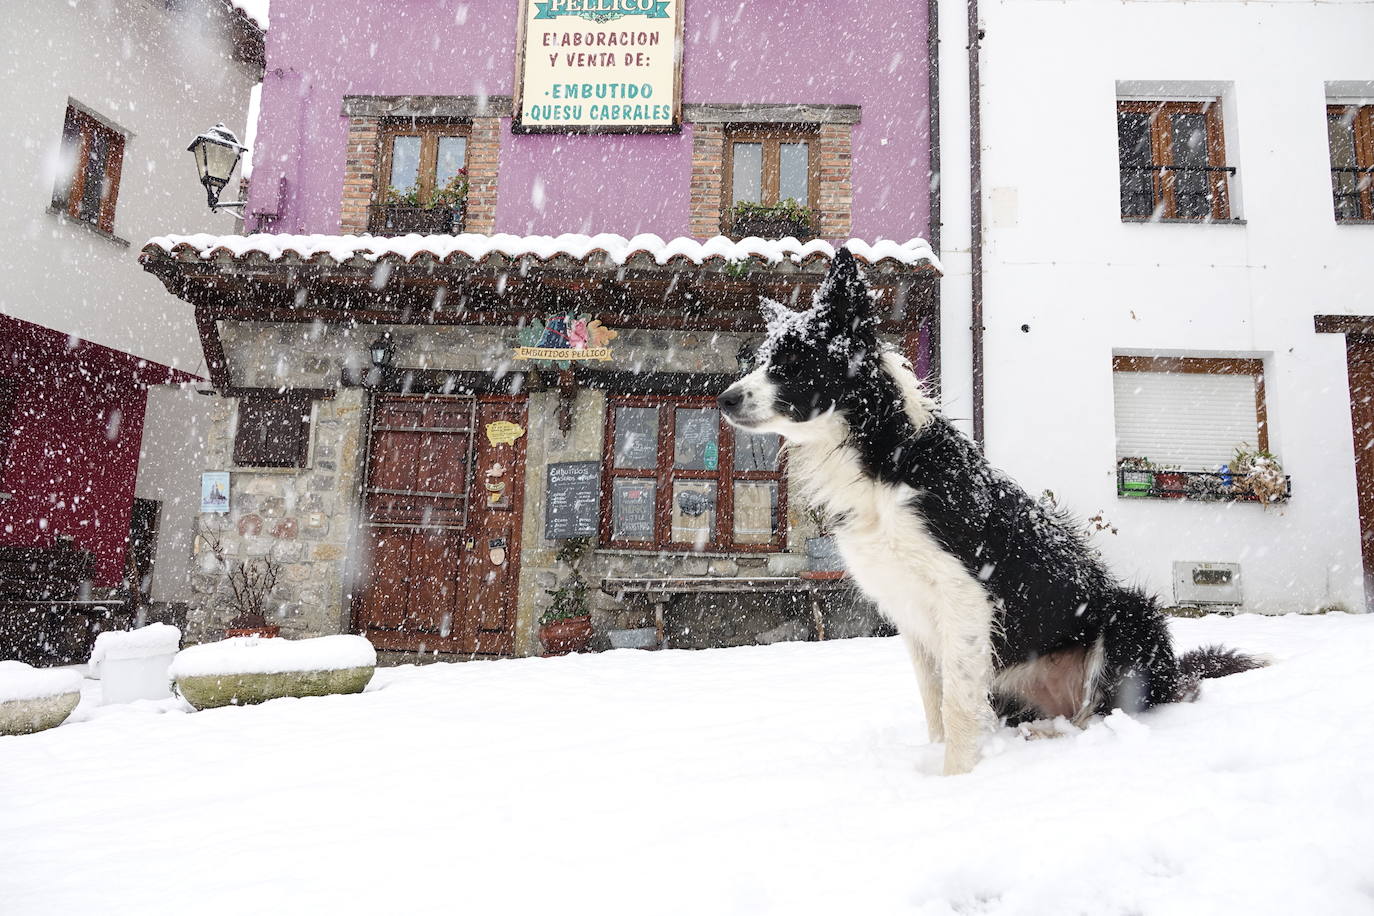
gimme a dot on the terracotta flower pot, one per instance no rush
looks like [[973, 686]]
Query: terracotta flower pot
[[572, 634]]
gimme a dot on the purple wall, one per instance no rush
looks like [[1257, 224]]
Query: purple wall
[[778, 51]]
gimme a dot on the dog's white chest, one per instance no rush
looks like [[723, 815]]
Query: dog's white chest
[[896, 562]]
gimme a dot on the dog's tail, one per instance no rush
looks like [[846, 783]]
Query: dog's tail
[[1216, 661]]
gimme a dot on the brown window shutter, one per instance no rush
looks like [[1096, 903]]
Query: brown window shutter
[[273, 431]]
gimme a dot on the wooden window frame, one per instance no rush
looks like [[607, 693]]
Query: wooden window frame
[[1162, 157], [429, 130], [1207, 366], [772, 137], [243, 452], [1363, 128], [664, 475], [84, 128]]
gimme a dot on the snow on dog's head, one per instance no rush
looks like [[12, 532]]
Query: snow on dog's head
[[809, 360]]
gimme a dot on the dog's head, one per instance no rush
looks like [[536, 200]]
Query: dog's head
[[809, 360]]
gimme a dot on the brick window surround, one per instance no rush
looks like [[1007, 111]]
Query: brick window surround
[[713, 123], [366, 115]]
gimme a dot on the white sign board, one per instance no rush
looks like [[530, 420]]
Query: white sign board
[[599, 66]]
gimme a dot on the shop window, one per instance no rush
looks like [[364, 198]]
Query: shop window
[[1350, 133], [679, 477], [1182, 423], [273, 431], [89, 165], [422, 178], [1172, 161], [771, 183]]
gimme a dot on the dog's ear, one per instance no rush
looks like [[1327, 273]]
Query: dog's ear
[[842, 305], [773, 310]]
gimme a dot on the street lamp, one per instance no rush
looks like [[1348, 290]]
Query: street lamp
[[382, 351], [217, 153]]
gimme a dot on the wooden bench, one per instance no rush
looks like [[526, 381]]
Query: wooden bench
[[659, 591], [44, 620]]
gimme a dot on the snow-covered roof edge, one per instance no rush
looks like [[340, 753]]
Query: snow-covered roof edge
[[616, 249]]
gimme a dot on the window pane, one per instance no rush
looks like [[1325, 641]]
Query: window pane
[[67, 164], [756, 452], [453, 153], [636, 437], [632, 509], [1345, 186], [746, 176], [93, 190], [756, 511], [694, 512], [1192, 183], [792, 173], [1133, 150], [405, 163], [696, 439]]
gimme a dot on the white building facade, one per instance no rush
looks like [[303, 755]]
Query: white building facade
[[101, 99], [1165, 277]]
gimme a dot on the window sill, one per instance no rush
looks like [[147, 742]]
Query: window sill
[[686, 554], [1173, 220], [1355, 222], [63, 218]]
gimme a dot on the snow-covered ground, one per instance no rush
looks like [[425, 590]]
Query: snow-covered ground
[[792, 778]]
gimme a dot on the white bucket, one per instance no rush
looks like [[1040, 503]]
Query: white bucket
[[125, 677], [132, 664]]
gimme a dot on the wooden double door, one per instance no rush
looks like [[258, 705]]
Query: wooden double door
[[442, 498]]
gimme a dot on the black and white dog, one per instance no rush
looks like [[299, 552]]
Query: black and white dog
[[1005, 609]]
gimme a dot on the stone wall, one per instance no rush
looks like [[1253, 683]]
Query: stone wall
[[303, 520]]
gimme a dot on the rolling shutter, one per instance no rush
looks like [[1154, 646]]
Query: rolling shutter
[[1191, 420]]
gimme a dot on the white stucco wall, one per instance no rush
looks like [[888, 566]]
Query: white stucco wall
[[1059, 259], [164, 76]]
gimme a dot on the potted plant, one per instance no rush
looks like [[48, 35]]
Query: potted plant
[[772, 221], [250, 583], [1136, 476], [1171, 482], [567, 624], [1204, 486], [402, 210], [1258, 475]]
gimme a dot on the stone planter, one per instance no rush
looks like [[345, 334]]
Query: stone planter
[[243, 671], [823, 555], [637, 638], [214, 690], [35, 699]]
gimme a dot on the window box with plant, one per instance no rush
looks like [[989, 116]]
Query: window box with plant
[[771, 183], [425, 164], [778, 221]]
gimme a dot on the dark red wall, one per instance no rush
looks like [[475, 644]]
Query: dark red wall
[[76, 424]]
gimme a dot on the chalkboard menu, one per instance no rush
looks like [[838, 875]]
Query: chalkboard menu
[[574, 497]]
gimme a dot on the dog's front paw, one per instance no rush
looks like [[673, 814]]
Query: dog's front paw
[[958, 762]]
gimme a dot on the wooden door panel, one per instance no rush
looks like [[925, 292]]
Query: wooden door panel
[[387, 592], [1360, 365], [434, 581], [394, 461], [445, 465], [494, 524]]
